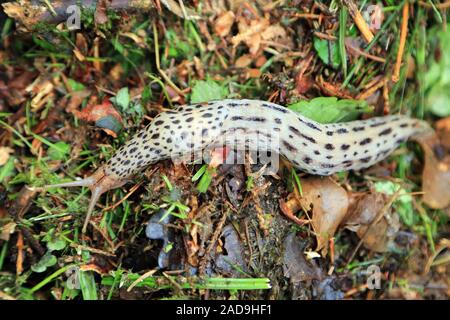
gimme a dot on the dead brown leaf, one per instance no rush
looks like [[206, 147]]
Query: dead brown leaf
[[378, 235], [4, 154], [443, 131], [100, 12], [295, 265], [224, 23], [329, 203], [436, 174], [250, 33], [243, 61], [95, 112], [76, 98]]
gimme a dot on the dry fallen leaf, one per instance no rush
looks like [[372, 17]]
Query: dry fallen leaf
[[7, 230], [295, 266], [329, 203], [98, 111], [436, 174], [224, 23], [377, 236], [4, 154], [76, 99], [250, 33], [243, 61], [443, 131]]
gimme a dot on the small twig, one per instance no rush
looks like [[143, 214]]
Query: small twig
[[359, 20], [325, 36], [443, 5], [308, 15], [215, 237], [19, 260], [371, 90], [90, 249], [365, 54], [158, 65], [132, 190], [50, 7], [141, 278], [401, 47]]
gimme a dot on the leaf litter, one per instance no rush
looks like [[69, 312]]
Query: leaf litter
[[227, 223]]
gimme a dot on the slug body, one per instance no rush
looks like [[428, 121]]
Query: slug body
[[320, 149]]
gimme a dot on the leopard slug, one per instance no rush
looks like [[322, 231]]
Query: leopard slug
[[319, 149]]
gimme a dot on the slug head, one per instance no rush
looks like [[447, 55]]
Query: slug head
[[99, 182]]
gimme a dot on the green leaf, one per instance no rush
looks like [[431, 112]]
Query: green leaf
[[122, 98], [330, 109], [199, 173], [7, 170], [146, 95], [47, 260], [436, 80], [205, 174], [59, 150], [403, 204], [326, 48], [56, 244], [204, 91], [438, 100], [75, 85], [87, 285]]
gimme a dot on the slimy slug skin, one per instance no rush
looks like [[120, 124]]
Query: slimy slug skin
[[319, 149]]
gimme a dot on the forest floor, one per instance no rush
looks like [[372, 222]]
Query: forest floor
[[70, 98]]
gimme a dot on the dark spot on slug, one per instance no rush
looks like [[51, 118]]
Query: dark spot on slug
[[356, 129], [155, 136], [312, 126], [374, 125], [133, 150], [342, 130], [207, 115], [365, 141], [307, 160], [274, 107], [289, 146], [345, 146], [277, 120], [365, 160], [329, 146], [257, 119], [385, 132], [330, 133]]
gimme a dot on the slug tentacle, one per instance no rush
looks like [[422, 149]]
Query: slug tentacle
[[100, 182], [320, 149]]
